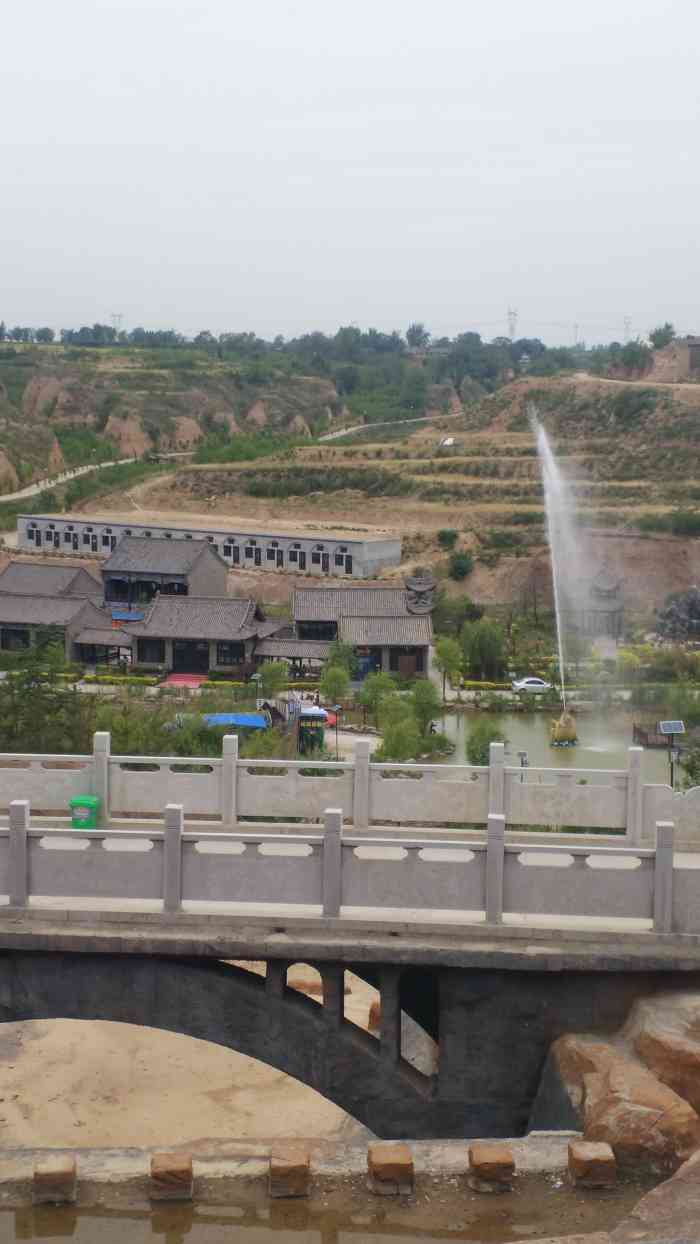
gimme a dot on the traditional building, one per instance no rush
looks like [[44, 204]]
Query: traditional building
[[389, 628], [194, 634], [32, 579], [85, 630], [138, 570]]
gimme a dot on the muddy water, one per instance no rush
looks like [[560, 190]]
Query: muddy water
[[540, 1207], [604, 738]]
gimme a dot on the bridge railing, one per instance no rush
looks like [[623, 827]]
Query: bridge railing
[[337, 874], [231, 791]]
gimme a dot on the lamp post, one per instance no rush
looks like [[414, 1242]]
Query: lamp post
[[524, 762], [255, 678], [337, 708], [674, 755]]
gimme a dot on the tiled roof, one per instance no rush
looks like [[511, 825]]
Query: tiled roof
[[198, 617], [39, 610], [27, 579], [159, 556], [331, 604], [108, 636], [309, 649], [377, 631]]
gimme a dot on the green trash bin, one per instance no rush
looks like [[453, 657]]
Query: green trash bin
[[84, 811]]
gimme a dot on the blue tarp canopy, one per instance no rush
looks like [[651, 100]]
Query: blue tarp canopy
[[127, 615], [251, 721]]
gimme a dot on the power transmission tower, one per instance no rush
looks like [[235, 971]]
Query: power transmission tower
[[575, 334], [628, 327], [512, 322], [116, 317]]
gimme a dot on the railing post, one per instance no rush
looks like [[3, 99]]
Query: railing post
[[19, 873], [332, 861], [497, 760], [663, 878], [360, 792], [229, 780], [172, 857], [101, 743], [495, 855], [634, 795]]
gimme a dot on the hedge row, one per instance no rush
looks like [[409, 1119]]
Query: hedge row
[[122, 680]]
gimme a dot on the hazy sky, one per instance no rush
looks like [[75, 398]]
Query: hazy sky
[[281, 167]]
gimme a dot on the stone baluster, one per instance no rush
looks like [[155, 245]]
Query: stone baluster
[[663, 878], [332, 861], [172, 857], [19, 874], [495, 859]]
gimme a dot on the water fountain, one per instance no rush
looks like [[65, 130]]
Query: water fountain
[[567, 570]]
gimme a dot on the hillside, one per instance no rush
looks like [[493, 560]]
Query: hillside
[[632, 452], [88, 405]]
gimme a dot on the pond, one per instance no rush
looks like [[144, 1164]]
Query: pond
[[604, 737], [540, 1206]]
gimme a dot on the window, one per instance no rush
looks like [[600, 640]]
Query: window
[[108, 530], [270, 555], [105, 541], [14, 639], [293, 555], [168, 535], [248, 550], [340, 559], [52, 526], [230, 653], [315, 559], [67, 537], [147, 535], [89, 529], [86, 538], [320, 547], [151, 651], [210, 539], [31, 533], [70, 527], [128, 531], [275, 544], [227, 550], [188, 535]]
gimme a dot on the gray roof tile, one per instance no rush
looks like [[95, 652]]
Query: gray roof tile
[[39, 579], [198, 617], [406, 631], [331, 604], [39, 610], [159, 556]]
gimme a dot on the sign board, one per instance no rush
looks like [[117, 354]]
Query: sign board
[[671, 727]]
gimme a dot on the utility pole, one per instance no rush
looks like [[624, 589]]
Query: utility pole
[[512, 322]]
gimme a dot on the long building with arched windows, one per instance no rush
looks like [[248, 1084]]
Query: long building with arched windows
[[348, 554]]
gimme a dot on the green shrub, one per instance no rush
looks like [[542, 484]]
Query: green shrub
[[460, 565], [447, 538], [472, 684], [122, 680]]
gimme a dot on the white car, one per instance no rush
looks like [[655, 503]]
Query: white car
[[531, 684]]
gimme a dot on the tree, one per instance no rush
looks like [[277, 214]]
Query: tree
[[44, 336], [334, 683], [451, 612], [417, 336], [448, 660], [483, 644], [400, 740], [343, 654], [273, 678], [479, 741], [425, 703], [412, 395], [460, 565], [374, 690], [679, 617], [662, 335]]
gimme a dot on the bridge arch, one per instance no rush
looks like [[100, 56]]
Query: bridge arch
[[229, 1006]]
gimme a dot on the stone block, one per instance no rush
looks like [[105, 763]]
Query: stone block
[[591, 1164], [390, 1168], [171, 1177], [55, 1180], [491, 1167], [290, 1174]]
